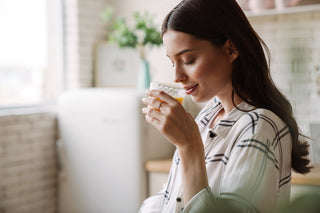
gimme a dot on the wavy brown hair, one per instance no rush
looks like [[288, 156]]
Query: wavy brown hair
[[220, 20]]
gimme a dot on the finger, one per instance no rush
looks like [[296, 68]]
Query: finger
[[160, 95], [152, 112], [152, 120], [152, 102]]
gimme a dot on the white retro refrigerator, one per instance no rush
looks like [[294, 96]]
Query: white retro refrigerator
[[103, 146]]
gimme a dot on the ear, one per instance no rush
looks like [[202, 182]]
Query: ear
[[232, 51]]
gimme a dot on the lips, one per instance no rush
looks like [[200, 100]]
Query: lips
[[190, 89]]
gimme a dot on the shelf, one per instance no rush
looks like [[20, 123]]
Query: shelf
[[312, 178], [288, 10]]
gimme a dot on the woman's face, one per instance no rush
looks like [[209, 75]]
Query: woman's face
[[202, 69]]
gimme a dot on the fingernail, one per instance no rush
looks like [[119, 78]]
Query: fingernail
[[143, 100], [147, 91]]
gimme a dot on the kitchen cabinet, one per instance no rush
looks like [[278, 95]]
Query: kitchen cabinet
[[158, 172]]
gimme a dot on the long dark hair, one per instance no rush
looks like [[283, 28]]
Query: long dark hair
[[220, 20]]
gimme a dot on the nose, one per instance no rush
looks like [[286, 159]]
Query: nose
[[180, 75]]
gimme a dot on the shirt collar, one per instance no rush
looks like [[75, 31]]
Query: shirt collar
[[223, 127]]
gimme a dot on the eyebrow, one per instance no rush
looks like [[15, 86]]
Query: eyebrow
[[182, 52]]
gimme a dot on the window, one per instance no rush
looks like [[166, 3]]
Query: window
[[30, 53]]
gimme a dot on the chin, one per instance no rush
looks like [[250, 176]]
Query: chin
[[200, 99]]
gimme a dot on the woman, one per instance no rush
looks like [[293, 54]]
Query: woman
[[243, 144]]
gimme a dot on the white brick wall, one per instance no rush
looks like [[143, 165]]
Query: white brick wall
[[83, 28], [294, 41], [28, 164]]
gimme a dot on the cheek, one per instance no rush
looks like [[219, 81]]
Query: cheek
[[219, 69], [202, 71]]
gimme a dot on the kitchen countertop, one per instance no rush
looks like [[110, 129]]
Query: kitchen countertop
[[312, 178]]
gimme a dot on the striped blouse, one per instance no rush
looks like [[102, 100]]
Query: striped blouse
[[248, 161]]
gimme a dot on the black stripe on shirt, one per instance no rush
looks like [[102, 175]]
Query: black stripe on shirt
[[208, 111], [204, 123], [277, 133], [212, 108], [266, 150], [272, 124], [220, 155], [277, 139], [253, 121], [206, 120], [177, 159], [217, 158], [262, 144], [226, 123], [167, 194], [251, 124], [243, 131], [284, 133], [285, 180]]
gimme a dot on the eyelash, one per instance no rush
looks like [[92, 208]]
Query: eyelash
[[185, 63], [189, 62]]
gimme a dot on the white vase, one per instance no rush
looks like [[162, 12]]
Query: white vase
[[281, 4]]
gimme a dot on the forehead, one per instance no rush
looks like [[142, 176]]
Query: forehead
[[175, 41]]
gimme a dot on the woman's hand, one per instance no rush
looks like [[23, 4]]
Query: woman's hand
[[178, 126], [170, 118]]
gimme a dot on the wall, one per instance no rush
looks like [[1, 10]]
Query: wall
[[294, 41], [83, 28], [28, 168], [160, 65]]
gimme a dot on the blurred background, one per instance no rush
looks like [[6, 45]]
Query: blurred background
[[72, 135]]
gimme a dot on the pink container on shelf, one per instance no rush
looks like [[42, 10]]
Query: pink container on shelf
[[259, 5]]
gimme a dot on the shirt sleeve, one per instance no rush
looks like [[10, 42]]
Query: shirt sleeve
[[251, 176], [250, 182], [200, 203], [205, 202]]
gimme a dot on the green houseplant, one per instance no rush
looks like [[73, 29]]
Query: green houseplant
[[137, 32]]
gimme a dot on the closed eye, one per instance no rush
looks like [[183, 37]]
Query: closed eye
[[189, 62]]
